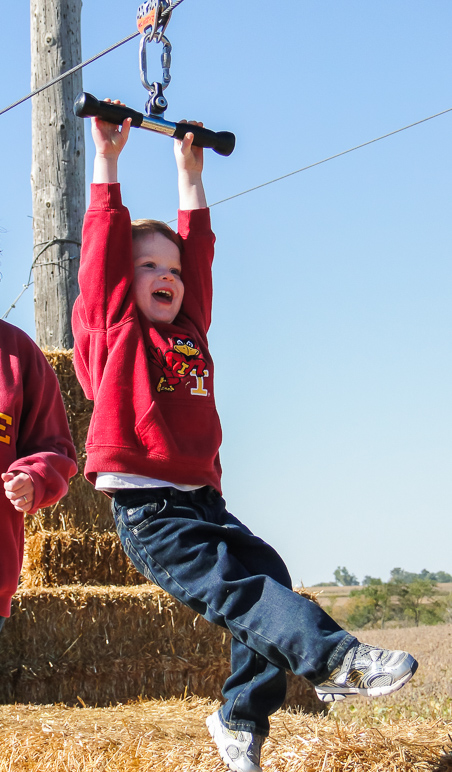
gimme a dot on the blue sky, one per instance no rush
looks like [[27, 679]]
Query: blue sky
[[332, 321]]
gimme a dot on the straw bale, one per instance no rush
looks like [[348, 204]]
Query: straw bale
[[53, 558], [78, 408], [83, 507], [114, 644], [165, 736]]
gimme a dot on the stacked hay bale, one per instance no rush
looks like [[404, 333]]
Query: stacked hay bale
[[75, 540], [85, 625]]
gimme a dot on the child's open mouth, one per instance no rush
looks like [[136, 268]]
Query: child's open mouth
[[163, 296]]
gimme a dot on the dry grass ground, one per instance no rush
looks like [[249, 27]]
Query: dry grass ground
[[165, 736], [409, 731], [429, 695]]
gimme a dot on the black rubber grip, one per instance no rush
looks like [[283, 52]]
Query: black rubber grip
[[223, 142], [87, 106]]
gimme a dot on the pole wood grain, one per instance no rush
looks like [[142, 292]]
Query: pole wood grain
[[58, 168]]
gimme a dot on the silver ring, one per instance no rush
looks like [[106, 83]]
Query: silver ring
[[25, 499]]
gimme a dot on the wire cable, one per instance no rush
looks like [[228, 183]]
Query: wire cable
[[330, 158], [34, 264], [264, 184], [77, 67], [323, 161], [67, 73], [171, 8]]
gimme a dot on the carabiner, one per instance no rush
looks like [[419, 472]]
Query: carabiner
[[165, 59]]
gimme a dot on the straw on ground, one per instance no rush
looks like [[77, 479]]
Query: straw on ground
[[162, 736]]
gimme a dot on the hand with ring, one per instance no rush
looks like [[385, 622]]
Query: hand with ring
[[19, 489]]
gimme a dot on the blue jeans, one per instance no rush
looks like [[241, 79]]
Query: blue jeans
[[188, 544], [2, 622]]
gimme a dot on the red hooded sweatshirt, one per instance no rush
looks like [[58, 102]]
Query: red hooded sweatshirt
[[152, 383], [34, 438]]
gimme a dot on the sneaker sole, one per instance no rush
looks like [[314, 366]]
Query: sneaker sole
[[331, 694]]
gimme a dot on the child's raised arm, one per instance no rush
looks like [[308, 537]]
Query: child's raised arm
[[189, 160], [109, 141]]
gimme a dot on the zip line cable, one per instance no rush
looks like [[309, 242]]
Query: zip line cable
[[269, 182], [330, 158], [276, 179], [77, 67], [324, 160], [69, 72]]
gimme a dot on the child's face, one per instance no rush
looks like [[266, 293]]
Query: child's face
[[158, 286]]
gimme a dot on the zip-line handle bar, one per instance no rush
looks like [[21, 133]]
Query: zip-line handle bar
[[87, 106]]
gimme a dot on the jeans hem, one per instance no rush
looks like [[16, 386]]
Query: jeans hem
[[243, 726], [336, 658]]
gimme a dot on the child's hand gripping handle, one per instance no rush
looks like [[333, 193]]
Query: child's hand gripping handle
[[223, 142], [87, 106]]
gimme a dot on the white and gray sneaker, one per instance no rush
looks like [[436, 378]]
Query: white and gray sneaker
[[368, 671], [240, 751]]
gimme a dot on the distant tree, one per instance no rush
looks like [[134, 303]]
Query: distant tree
[[359, 614], [417, 600], [379, 595], [369, 580], [372, 605], [439, 576], [443, 577], [344, 578], [398, 575]]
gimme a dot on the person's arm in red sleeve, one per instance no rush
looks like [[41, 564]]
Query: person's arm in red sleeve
[[46, 454], [106, 267], [195, 232]]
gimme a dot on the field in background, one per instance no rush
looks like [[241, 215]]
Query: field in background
[[337, 602], [329, 594], [428, 696], [405, 732]]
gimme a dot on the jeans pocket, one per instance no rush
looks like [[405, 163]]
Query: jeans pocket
[[133, 517], [136, 518]]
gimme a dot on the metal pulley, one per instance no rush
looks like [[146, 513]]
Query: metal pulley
[[153, 18]]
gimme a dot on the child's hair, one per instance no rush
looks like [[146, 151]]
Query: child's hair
[[143, 227]]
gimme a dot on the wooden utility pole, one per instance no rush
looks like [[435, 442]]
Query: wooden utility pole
[[58, 168]]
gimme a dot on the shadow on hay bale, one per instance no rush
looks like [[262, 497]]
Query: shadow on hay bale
[[445, 764]]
